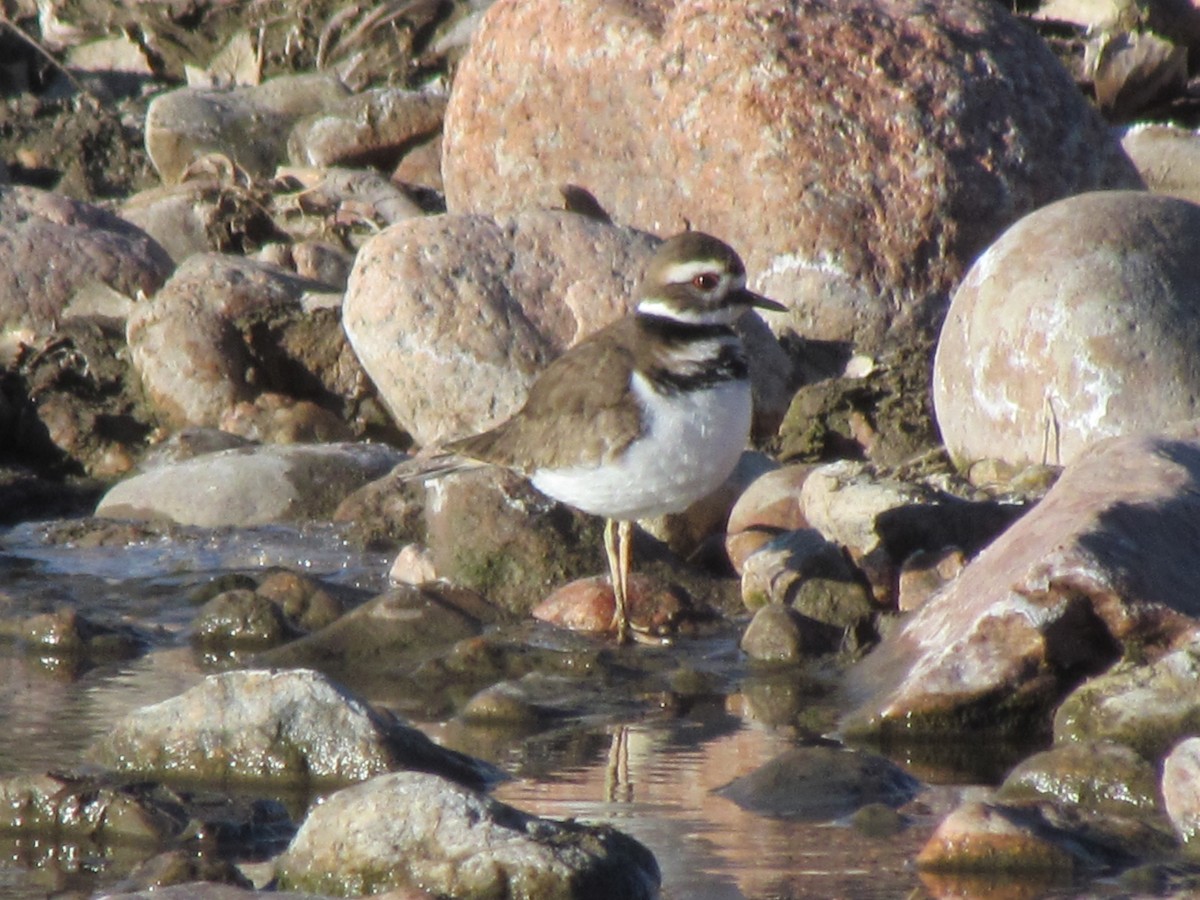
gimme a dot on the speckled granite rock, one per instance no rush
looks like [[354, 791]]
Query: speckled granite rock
[[405, 829], [859, 154]]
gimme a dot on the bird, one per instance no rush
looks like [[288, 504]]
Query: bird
[[646, 415]]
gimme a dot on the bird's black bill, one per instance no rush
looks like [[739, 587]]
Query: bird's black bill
[[749, 298]]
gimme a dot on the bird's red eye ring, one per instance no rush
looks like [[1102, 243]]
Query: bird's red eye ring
[[706, 281]]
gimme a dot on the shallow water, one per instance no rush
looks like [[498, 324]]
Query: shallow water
[[652, 776]]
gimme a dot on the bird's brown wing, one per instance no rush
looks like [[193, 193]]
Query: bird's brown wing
[[578, 411]]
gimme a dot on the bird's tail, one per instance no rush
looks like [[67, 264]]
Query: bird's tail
[[433, 464]]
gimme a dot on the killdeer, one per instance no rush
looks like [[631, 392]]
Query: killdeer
[[646, 415]]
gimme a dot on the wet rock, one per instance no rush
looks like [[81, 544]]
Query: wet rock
[[587, 604], [295, 727], [304, 602], [65, 258], [505, 705], [227, 581], [1181, 788], [985, 837], [190, 353], [54, 805], [769, 506], [202, 873], [799, 568], [393, 631], [820, 783], [249, 125], [1167, 158], [779, 634], [781, 697], [1100, 340], [70, 636], [1102, 777], [878, 820], [250, 486], [373, 128], [240, 619], [454, 316], [388, 511], [412, 565], [1146, 706], [1030, 836], [576, 669], [1100, 564], [211, 891], [801, 138], [488, 530], [1162, 879], [404, 830]]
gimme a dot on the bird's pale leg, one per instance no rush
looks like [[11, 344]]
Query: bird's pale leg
[[613, 533], [624, 561]]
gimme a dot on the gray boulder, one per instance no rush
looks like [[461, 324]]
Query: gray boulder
[[246, 486], [412, 830], [287, 727]]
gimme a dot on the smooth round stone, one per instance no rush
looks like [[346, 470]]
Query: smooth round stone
[[1081, 322]]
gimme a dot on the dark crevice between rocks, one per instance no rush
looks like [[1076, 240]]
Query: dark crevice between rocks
[[1079, 644], [67, 408]]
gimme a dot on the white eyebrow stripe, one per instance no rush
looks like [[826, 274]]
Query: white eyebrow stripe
[[682, 272]]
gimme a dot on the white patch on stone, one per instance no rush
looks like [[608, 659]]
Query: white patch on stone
[[789, 263], [693, 441], [955, 661]]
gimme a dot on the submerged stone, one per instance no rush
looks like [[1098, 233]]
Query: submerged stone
[[1099, 776], [820, 783], [1146, 707]]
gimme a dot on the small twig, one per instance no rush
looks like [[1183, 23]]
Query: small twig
[[1050, 433]]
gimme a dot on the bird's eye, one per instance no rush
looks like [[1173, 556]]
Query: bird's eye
[[706, 281]]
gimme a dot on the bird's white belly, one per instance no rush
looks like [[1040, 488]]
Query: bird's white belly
[[690, 445]]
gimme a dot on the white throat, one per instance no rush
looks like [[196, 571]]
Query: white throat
[[722, 315]]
